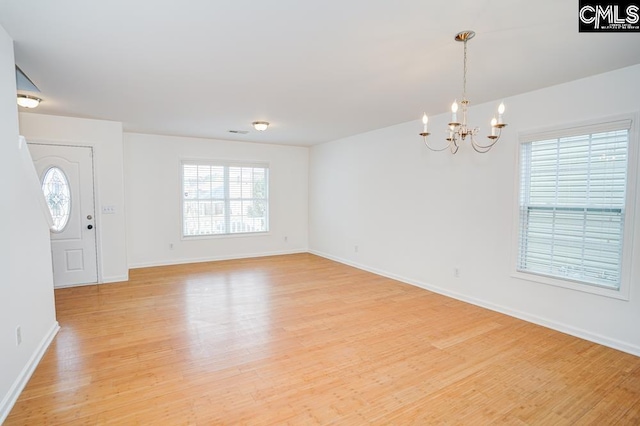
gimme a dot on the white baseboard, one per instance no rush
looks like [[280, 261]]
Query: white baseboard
[[115, 279], [545, 322], [11, 397], [105, 280], [169, 262]]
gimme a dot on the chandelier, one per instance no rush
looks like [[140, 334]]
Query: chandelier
[[459, 130]]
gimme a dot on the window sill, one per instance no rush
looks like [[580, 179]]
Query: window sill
[[225, 236], [620, 294]]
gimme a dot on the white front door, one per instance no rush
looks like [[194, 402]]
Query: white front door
[[66, 176]]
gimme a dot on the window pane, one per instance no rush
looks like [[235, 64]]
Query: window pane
[[572, 198], [220, 199], [55, 187]]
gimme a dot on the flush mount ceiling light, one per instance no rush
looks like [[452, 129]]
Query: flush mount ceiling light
[[459, 130], [27, 101], [260, 125]]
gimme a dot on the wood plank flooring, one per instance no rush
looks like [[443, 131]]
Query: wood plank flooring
[[302, 340]]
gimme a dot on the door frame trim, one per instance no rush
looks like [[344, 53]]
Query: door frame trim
[[96, 194]]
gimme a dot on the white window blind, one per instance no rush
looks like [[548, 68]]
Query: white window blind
[[220, 199], [572, 203]]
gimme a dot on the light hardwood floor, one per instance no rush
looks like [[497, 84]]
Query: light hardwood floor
[[302, 340]]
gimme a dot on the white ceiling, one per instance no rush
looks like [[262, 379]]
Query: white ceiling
[[318, 71]]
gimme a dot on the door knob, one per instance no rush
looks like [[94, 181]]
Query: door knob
[[90, 227]]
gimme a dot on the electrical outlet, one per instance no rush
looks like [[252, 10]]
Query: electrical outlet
[[456, 272], [355, 249], [18, 335], [286, 239], [170, 246]]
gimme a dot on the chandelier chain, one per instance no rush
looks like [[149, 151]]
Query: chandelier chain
[[464, 74]]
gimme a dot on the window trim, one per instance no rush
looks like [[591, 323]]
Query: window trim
[[570, 129], [224, 163]]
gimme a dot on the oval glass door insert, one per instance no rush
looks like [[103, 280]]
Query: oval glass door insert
[[58, 196]]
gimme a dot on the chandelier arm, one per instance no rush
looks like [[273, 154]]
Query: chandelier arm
[[482, 149], [435, 149]]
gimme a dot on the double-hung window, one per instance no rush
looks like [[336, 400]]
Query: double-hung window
[[573, 206], [221, 199]]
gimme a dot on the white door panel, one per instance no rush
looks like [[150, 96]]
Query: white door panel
[[73, 247]]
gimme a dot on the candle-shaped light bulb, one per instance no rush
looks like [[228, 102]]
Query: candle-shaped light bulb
[[500, 112], [425, 120], [454, 111], [493, 126]]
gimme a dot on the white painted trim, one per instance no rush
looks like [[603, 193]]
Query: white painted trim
[[224, 236], [214, 258], [613, 293], [18, 386], [108, 280], [115, 279], [561, 130], [554, 325]]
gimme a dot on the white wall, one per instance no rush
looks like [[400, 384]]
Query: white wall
[[152, 174], [416, 214], [106, 139], [26, 279]]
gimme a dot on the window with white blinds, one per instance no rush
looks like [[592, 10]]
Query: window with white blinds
[[223, 199], [573, 187]]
